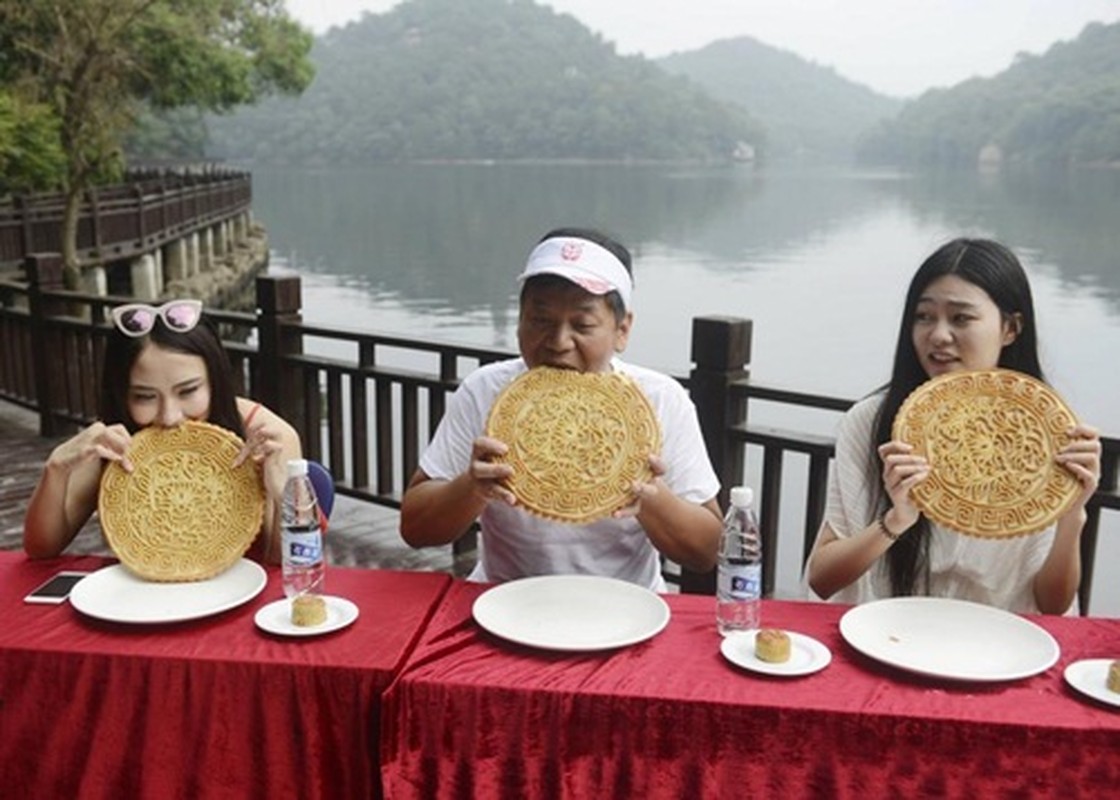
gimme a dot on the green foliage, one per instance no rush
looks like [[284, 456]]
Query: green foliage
[[808, 110], [480, 79], [177, 133], [97, 63], [30, 157], [1061, 107]]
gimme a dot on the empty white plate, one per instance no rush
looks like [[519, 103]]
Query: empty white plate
[[571, 612], [949, 638]]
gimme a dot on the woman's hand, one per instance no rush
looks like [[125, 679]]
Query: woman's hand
[[264, 444], [487, 477], [66, 494], [902, 471], [98, 441], [1082, 457]]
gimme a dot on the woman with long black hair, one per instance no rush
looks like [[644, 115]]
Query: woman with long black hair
[[969, 307]]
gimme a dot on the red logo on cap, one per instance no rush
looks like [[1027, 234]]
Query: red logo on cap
[[571, 251]]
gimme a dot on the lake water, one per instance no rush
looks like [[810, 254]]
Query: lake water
[[819, 259]]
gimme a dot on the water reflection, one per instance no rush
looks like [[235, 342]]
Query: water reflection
[[1066, 218], [452, 236]]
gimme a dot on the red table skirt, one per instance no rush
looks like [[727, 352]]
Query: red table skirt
[[473, 716], [211, 708]]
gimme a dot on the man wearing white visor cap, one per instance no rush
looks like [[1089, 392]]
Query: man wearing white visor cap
[[576, 312]]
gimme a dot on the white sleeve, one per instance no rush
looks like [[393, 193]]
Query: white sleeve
[[448, 454], [850, 493]]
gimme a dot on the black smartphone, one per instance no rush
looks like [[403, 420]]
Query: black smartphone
[[56, 588]]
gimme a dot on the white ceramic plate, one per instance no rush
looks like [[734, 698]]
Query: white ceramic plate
[[1090, 677], [276, 617], [115, 594], [571, 612], [806, 654], [949, 638]]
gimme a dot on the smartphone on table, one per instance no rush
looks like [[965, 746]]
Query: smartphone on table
[[55, 589]]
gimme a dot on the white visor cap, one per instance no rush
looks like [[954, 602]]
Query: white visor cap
[[590, 266]]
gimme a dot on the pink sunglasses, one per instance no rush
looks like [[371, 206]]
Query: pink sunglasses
[[138, 319]]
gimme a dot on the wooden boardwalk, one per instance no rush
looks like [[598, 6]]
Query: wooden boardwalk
[[361, 534]]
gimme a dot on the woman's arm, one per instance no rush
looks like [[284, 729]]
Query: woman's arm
[[1056, 581], [837, 561], [271, 442], [66, 494]]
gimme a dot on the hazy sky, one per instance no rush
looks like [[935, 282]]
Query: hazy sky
[[899, 47]]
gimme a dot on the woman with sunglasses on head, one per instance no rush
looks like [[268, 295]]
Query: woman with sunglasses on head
[[969, 307], [163, 365]]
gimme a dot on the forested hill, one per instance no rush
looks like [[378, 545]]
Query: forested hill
[[1060, 107], [807, 109], [481, 79]]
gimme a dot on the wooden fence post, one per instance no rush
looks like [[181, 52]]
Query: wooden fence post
[[721, 351], [44, 272], [279, 386], [23, 205]]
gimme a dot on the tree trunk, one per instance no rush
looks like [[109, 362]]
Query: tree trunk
[[71, 267]]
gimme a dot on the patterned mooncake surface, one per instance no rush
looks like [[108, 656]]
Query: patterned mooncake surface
[[990, 437], [184, 513], [577, 441]]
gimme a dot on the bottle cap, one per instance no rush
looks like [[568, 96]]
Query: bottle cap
[[742, 496], [296, 467]]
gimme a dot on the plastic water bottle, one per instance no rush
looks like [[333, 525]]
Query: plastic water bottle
[[301, 536], [739, 575]]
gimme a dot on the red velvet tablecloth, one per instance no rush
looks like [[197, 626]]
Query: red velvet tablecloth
[[203, 709], [473, 716]]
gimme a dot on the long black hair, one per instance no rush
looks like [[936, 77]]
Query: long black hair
[[995, 269], [202, 340]]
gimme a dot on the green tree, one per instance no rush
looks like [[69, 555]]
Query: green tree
[[31, 157], [97, 64], [481, 79]]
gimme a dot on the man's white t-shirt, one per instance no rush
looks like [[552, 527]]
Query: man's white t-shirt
[[516, 544]]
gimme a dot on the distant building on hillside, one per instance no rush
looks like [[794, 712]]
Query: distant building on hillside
[[990, 157], [743, 152]]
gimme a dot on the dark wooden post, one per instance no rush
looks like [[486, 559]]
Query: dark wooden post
[[44, 272], [24, 204], [1107, 483], [280, 386], [165, 223], [141, 231], [721, 351]]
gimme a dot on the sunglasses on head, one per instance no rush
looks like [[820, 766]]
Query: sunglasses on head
[[138, 319]]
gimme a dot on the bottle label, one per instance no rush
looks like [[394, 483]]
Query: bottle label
[[741, 582], [303, 548]]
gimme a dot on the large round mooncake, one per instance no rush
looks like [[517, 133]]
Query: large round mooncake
[[577, 441], [990, 437], [184, 513]]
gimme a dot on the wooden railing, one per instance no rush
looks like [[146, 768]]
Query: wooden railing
[[365, 404], [124, 220]]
